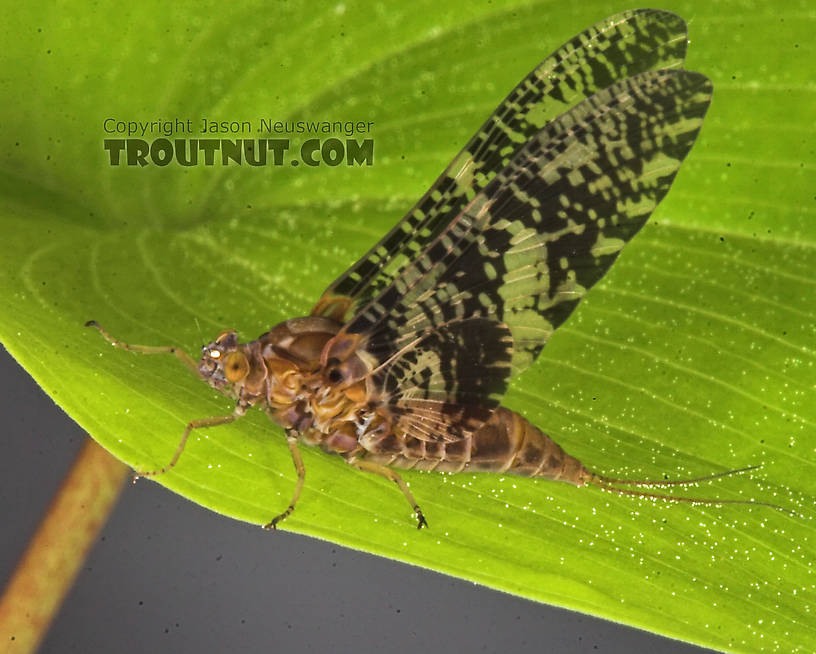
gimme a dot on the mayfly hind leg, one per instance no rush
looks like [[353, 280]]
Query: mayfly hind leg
[[291, 441], [378, 469]]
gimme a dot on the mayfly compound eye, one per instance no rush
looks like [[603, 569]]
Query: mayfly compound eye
[[236, 367]]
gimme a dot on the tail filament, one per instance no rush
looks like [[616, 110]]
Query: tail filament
[[611, 484]]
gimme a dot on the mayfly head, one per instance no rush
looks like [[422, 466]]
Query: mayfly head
[[223, 362]]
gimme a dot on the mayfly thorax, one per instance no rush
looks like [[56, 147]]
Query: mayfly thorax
[[405, 357]]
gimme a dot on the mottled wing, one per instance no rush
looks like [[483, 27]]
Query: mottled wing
[[448, 380], [623, 45], [526, 249]]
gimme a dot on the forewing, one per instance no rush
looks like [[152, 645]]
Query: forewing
[[623, 45], [529, 246]]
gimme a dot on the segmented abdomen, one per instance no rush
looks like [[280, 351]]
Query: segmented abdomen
[[505, 443]]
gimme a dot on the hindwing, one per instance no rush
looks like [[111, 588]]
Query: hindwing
[[447, 381]]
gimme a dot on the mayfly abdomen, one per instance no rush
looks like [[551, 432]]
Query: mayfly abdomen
[[507, 443]]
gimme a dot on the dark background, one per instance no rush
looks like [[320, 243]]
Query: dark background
[[169, 576]]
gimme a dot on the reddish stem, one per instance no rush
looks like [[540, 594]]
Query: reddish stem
[[58, 548]]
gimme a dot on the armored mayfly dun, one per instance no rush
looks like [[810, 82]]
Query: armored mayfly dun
[[404, 359]]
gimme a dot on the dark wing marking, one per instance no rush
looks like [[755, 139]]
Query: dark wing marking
[[623, 45], [525, 250], [447, 381]]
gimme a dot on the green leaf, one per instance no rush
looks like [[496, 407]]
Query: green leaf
[[694, 355]]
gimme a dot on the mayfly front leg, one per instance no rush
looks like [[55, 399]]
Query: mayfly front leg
[[188, 361], [181, 355], [291, 440], [378, 469]]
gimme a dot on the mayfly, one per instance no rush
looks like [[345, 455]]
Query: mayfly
[[403, 361]]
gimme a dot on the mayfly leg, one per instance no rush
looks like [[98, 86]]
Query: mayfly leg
[[193, 424], [291, 441], [188, 361], [181, 355], [376, 468]]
